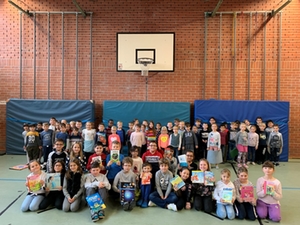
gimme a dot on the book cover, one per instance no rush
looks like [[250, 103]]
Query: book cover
[[247, 192], [177, 182], [208, 178], [19, 167], [34, 182], [114, 155], [97, 159], [182, 161], [95, 202], [227, 195], [197, 176], [269, 187], [146, 178], [127, 192], [53, 181]]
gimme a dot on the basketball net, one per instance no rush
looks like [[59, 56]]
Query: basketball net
[[145, 65]]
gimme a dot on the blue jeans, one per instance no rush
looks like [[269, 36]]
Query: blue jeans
[[155, 198], [224, 210], [251, 154], [32, 202], [145, 191]]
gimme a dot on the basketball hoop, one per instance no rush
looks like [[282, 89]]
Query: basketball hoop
[[144, 62]]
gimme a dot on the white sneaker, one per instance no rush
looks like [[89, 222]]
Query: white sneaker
[[248, 162], [217, 167], [173, 207], [151, 204], [253, 163]]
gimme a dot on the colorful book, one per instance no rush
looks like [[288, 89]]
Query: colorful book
[[227, 195], [97, 159], [247, 192], [146, 178], [209, 178], [182, 161], [269, 187], [34, 183], [19, 167], [197, 176], [127, 192], [177, 182], [115, 155], [53, 181], [95, 202]]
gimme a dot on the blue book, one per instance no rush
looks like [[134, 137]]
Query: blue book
[[95, 202], [182, 161], [127, 192]]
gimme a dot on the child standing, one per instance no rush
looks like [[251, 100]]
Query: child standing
[[175, 141], [225, 208], [244, 206], [76, 153], [99, 157], [121, 132], [145, 185], [268, 201], [63, 135], [224, 140], [33, 143], [262, 145], [150, 133], [242, 145], [163, 196], [275, 144], [88, 135], [184, 193], [47, 139], [203, 140], [163, 139], [57, 155], [232, 138], [75, 136], [125, 175], [214, 155], [35, 183], [137, 138], [137, 161], [101, 135], [55, 198], [73, 187], [203, 193], [189, 139], [253, 141], [97, 182], [128, 134]]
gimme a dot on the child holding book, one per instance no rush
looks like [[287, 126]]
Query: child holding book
[[99, 157], [244, 195], [269, 192], [203, 191], [73, 186], [55, 197], [97, 182], [163, 196], [225, 196], [145, 185], [184, 193], [125, 175], [35, 183]]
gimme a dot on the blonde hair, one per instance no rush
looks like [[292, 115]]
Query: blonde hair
[[72, 154]]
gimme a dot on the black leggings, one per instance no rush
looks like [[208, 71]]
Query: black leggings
[[203, 203]]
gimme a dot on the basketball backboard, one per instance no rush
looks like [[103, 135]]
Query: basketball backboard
[[158, 46]]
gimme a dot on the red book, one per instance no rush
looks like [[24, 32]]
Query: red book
[[247, 192]]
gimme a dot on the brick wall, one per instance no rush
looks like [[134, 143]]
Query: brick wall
[[187, 83]]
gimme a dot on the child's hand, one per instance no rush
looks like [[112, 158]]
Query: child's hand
[[118, 163], [101, 185], [110, 162], [42, 182], [71, 200], [222, 200], [183, 188]]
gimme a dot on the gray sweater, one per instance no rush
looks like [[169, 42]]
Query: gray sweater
[[123, 177], [162, 182], [93, 182]]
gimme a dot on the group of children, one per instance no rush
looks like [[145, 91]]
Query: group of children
[[151, 174]]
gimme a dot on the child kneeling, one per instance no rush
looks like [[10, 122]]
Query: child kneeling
[[97, 182]]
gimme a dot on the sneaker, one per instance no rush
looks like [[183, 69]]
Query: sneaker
[[144, 204], [140, 202], [248, 162], [130, 205], [172, 207], [151, 204], [101, 214], [95, 217], [253, 163], [217, 167], [245, 165], [277, 164], [126, 206]]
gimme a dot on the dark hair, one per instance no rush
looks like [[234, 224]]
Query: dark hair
[[164, 161], [242, 170], [63, 170], [76, 161], [98, 143], [135, 148], [95, 165], [146, 164], [268, 164], [59, 140]]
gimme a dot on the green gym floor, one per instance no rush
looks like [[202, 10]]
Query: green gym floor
[[13, 189]]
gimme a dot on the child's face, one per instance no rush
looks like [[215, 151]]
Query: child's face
[[189, 157], [270, 124], [95, 171], [78, 125], [205, 126], [268, 171], [153, 148], [222, 128], [225, 178], [110, 123], [146, 169], [76, 148], [113, 130], [59, 146], [243, 177], [58, 167], [258, 121], [163, 168], [252, 129], [214, 127], [63, 129], [203, 166], [198, 123], [101, 127], [34, 167], [26, 128], [32, 128], [181, 125], [262, 127], [212, 121], [275, 129], [120, 125], [243, 127], [98, 150], [195, 130], [137, 129], [169, 125], [72, 125], [134, 153], [164, 131], [115, 147], [247, 122], [88, 126], [158, 126], [175, 130], [151, 125], [127, 167], [130, 125], [46, 127], [143, 128], [185, 174], [73, 167], [39, 126], [75, 132]]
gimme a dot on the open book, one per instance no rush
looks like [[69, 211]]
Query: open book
[[201, 177]]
